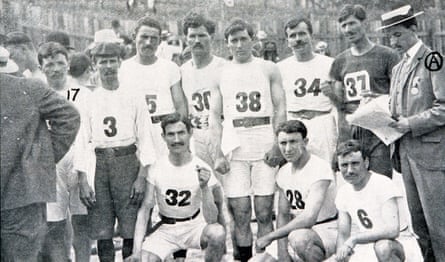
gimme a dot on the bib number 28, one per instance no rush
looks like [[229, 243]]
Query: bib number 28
[[248, 101]]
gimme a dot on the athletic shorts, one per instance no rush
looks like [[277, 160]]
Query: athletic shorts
[[169, 238], [67, 191], [326, 231], [247, 177], [365, 252], [113, 181]]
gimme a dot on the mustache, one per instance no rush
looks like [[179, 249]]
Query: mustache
[[178, 144], [197, 45]]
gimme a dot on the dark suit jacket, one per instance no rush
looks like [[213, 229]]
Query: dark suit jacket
[[29, 150], [424, 106]]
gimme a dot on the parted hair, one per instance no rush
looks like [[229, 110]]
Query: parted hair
[[50, 49], [147, 21], [195, 20], [358, 11], [292, 126], [236, 25], [296, 21], [175, 118]]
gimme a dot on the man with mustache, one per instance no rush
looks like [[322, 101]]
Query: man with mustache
[[251, 98], [306, 222], [302, 75], [361, 73], [369, 225], [53, 59], [156, 79], [116, 126], [182, 186], [418, 103]]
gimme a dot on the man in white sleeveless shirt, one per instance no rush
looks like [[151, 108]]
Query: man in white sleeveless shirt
[[251, 99]]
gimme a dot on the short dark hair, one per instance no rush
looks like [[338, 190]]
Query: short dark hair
[[79, 63], [358, 11], [147, 21], [236, 25], [292, 126], [350, 146], [115, 23], [294, 22], [50, 49], [175, 118], [195, 20]]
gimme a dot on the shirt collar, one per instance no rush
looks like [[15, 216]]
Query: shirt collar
[[412, 51]]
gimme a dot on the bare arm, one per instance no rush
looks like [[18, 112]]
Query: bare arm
[[209, 209], [344, 231], [282, 219], [142, 218], [179, 99], [278, 96]]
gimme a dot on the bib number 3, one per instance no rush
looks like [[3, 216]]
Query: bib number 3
[[110, 123]]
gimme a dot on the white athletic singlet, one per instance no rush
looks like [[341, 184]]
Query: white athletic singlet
[[178, 194], [245, 90], [302, 80], [296, 185]]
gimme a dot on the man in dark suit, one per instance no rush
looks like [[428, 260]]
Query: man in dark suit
[[29, 151], [418, 104]]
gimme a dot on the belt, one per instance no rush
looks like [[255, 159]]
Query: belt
[[116, 151], [251, 121], [171, 220], [158, 118], [329, 219], [307, 114]]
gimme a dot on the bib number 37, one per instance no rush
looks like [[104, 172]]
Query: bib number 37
[[356, 83]]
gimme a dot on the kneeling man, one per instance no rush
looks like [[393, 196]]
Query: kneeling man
[[306, 222], [368, 223], [181, 184]]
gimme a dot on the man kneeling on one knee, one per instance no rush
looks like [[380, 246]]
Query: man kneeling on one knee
[[181, 184], [306, 222]]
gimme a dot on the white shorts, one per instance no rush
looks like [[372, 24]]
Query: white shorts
[[169, 238], [322, 134], [411, 248], [247, 177], [326, 231], [67, 192]]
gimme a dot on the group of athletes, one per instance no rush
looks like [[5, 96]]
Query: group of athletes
[[190, 142]]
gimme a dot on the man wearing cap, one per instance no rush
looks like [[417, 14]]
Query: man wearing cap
[[155, 79], [61, 38], [117, 127], [361, 73], [29, 153], [53, 59], [302, 75], [251, 98], [23, 52], [418, 105]]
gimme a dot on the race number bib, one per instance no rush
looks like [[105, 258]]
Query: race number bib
[[355, 84], [201, 101], [248, 101], [151, 103]]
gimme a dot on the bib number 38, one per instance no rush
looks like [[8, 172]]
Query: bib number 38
[[248, 101]]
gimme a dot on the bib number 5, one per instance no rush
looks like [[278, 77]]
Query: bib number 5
[[151, 103], [251, 101]]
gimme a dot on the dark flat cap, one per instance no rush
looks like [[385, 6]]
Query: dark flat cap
[[59, 37], [17, 38]]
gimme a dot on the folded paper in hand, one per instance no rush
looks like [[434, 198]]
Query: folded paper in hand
[[375, 116]]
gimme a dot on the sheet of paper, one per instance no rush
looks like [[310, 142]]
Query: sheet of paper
[[375, 117]]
